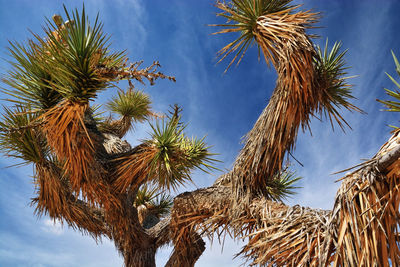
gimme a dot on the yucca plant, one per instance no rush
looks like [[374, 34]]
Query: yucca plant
[[331, 78], [54, 125], [82, 48], [310, 82], [393, 105], [283, 186], [123, 192], [131, 106], [30, 79], [19, 136], [71, 54], [243, 17], [176, 155]]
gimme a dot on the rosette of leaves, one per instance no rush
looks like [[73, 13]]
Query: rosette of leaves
[[131, 106]]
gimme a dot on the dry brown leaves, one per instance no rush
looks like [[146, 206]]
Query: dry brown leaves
[[366, 217], [133, 170], [56, 200], [74, 145], [284, 42]]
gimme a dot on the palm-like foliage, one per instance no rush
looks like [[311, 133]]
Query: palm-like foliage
[[103, 192], [19, 137], [331, 77], [52, 83], [58, 75], [66, 64], [75, 53], [176, 155], [310, 82], [270, 24], [30, 79], [166, 159], [393, 105], [282, 186], [131, 106], [156, 202], [244, 15]]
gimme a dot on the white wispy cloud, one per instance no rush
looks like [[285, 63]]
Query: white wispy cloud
[[52, 227]]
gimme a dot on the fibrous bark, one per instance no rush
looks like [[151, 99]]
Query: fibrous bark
[[362, 229]]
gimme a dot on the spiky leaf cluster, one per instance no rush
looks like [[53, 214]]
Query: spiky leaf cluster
[[177, 155], [157, 202], [19, 136], [282, 186], [331, 77], [131, 104], [393, 105], [85, 174], [64, 64], [75, 52], [242, 16], [30, 79]]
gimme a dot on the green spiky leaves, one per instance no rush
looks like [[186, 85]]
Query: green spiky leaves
[[157, 202], [20, 137], [242, 16], [74, 52], [65, 64], [331, 77], [393, 105], [177, 155], [131, 104], [282, 186], [30, 79]]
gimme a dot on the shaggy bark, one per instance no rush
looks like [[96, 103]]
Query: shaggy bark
[[212, 209]]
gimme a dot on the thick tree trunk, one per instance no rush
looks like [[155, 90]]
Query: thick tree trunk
[[188, 253], [140, 258]]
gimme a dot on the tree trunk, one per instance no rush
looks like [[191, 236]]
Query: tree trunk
[[189, 251], [140, 258]]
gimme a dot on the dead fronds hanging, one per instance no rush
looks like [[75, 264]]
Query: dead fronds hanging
[[74, 145], [292, 236], [134, 169], [366, 215], [55, 198], [280, 34], [193, 215], [310, 83], [275, 233], [52, 198]]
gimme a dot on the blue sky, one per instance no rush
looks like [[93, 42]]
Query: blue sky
[[223, 107]]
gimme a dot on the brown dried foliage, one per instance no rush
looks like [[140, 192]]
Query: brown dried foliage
[[284, 42], [133, 170], [366, 212], [74, 145], [275, 233], [56, 200], [288, 236]]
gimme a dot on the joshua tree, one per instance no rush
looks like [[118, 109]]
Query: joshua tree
[[84, 174], [88, 177]]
